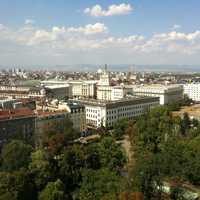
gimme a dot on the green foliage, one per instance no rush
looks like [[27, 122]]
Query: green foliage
[[15, 155], [111, 154], [59, 131], [71, 164], [119, 128], [148, 175], [93, 156], [53, 191], [17, 185], [60, 169], [165, 146], [177, 193], [99, 184], [42, 168], [153, 129]]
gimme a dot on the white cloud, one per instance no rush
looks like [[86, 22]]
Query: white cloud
[[2, 27], [85, 39], [176, 26], [121, 9], [64, 33], [29, 22], [89, 29]]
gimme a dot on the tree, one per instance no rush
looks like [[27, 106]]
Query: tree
[[147, 176], [15, 155], [92, 156], [70, 165], [53, 191], [58, 134], [177, 193], [99, 184], [119, 128], [111, 154], [42, 168], [185, 124], [17, 185]]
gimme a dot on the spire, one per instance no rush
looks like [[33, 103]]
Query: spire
[[106, 67]]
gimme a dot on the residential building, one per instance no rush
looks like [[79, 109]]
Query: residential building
[[19, 92], [16, 124], [77, 113], [44, 120]]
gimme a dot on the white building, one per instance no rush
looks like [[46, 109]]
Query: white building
[[107, 92], [80, 88], [165, 93], [106, 113], [120, 92], [83, 88], [192, 90], [18, 92], [104, 89]]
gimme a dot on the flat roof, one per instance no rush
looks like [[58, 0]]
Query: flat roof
[[126, 100], [16, 114], [41, 113], [57, 86]]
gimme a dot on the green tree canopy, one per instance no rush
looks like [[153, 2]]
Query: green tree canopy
[[99, 184], [15, 155], [53, 191], [17, 185], [42, 168]]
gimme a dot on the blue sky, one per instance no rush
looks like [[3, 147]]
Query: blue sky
[[133, 31]]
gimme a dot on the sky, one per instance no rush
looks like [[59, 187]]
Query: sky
[[63, 32]]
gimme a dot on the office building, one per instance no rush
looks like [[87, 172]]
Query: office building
[[166, 93], [192, 90], [106, 113]]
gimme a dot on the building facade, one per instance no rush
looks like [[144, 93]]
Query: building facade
[[106, 113], [20, 92], [77, 114], [192, 90], [79, 88], [17, 124], [166, 94], [104, 88]]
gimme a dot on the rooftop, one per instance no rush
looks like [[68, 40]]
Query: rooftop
[[16, 114], [48, 113], [57, 86], [129, 99]]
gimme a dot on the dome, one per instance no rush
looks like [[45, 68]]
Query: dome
[[99, 71]]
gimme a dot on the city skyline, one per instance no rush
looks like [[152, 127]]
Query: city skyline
[[61, 33]]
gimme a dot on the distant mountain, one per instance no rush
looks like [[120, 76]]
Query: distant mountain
[[114, 67]]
